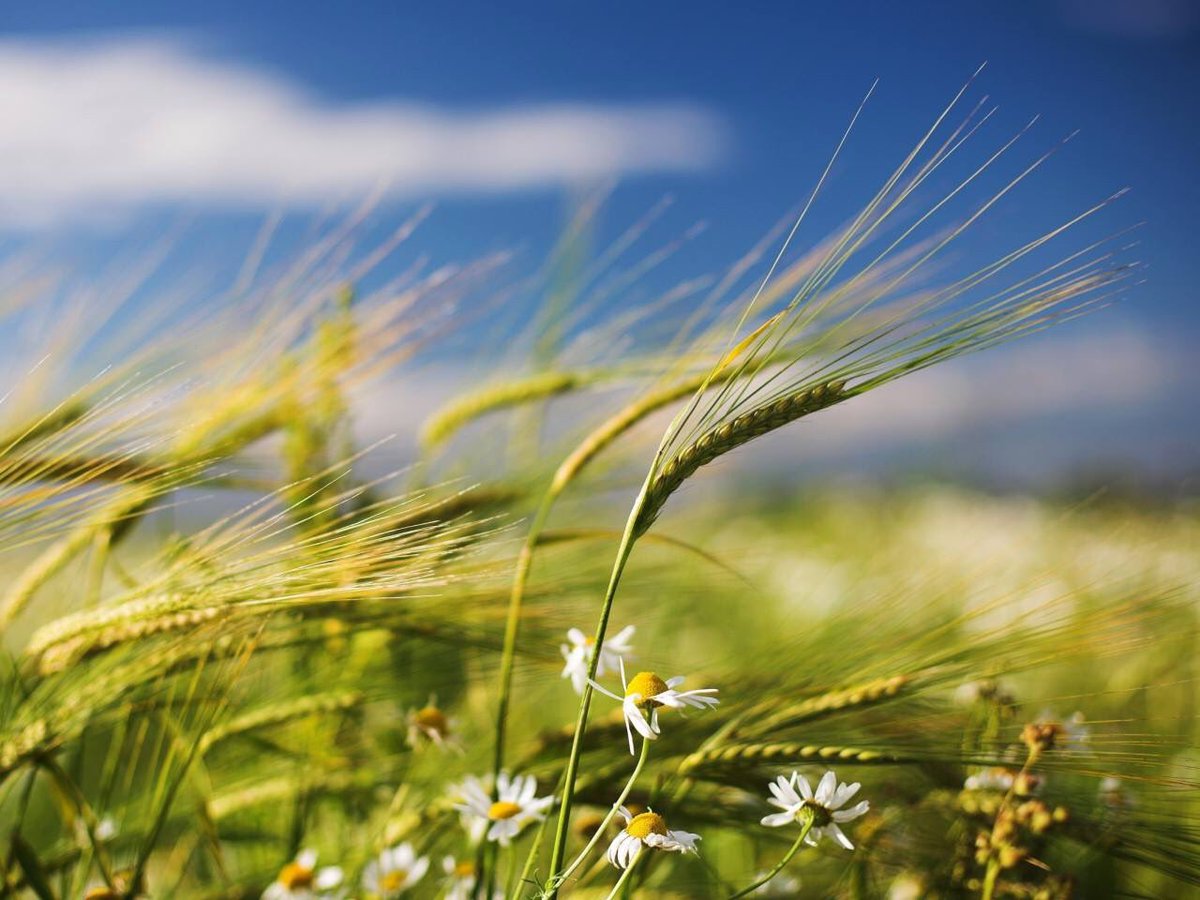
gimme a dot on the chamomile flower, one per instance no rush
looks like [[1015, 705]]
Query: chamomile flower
[[460, 880], [430, 724], [302, 880], [797, 800], [502, 819], [578, 655], [648, 829], [995, 778], [394, 871], [645, 693]]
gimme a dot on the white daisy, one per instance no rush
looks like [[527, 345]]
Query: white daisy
[[825, 806], [645, 693], [647, 830], [460, 880], [996, 778], [1072, 735], [301, 880], [500, 820], [430, 724], [578, 655], [394, 871]]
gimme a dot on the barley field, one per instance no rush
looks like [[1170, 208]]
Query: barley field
[[567, 634]]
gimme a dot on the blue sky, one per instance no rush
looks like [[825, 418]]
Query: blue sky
[[732, 108]]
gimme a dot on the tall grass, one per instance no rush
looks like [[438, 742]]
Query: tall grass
[[228, 638]]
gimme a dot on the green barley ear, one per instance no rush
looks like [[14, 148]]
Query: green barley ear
[[457, 414], [727, 437]]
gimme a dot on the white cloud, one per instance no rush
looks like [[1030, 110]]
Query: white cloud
[[99, 127]]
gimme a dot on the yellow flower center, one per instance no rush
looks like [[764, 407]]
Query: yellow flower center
[[294, 875], [432, 719], [502, 809], [393, 880], [648, 685], [646, 824], [464, 869]]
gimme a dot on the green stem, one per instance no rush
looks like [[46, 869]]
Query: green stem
[[787, 858], [579, 860], [624, 878], [512, 628], [989, 879], [628, 537]]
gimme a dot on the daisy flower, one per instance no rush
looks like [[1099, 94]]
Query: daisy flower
[[301, 880], [645, 693], [501, 820], [394, 871], [996, 778], [797, 800], [578, 655], [648, 829], [460, 880], [430, 724]]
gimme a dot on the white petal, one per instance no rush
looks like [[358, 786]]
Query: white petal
[[676, 681], [843, 794], [849, 815], [307, 859], [837, 835], [802, 785], [417, 871], [622, 637], [629, 851], [826, 788], [329, 877], [611, 854], [778, 820], [605, 691], [370, 876], [634, 716]]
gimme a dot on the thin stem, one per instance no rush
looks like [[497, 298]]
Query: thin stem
[[579, 860], [989, 879], [512, 628], [787, 858], [628, 538], [993, 866], [624, 877]]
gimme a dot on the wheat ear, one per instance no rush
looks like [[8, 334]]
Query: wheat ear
[[729, 436]]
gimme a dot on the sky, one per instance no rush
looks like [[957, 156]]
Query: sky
[[124, 119]]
